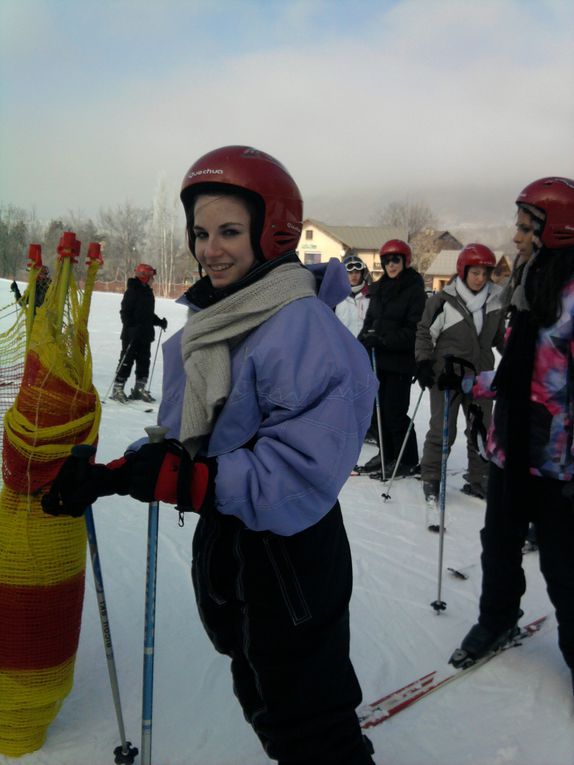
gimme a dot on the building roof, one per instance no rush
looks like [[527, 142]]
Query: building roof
[[359, 237], [444, 263]]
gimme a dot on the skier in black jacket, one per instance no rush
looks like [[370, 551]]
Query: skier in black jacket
[[396, 306], [43, 281], [138, 320]]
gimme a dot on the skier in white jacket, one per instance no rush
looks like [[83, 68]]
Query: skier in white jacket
[[353, 309]]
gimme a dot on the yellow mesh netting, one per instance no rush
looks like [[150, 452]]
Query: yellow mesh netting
[[46, 359]]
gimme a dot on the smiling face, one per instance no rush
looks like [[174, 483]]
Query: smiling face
[[222, 238], [524, 236], [476, 277]]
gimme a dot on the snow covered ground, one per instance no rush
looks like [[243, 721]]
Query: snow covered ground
[[517, 709]]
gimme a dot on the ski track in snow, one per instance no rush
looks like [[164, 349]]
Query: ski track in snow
[[517, 709]]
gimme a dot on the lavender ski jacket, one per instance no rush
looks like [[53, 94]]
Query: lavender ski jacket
[[300, 403]]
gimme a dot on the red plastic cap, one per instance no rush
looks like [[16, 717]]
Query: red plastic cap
[[94, 253], [69, 246], [35, 256]]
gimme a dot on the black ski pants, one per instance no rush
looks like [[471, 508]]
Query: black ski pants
[[503, 535], [279, 607], [394, 400], [137, 351]]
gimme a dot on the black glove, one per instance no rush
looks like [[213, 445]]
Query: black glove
[[163, 324], [458, 375], [425, 374], [370, 339], [16, 290], [477, 430], [79, 483]]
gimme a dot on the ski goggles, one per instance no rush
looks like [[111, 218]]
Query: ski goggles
[[392, 259], [354, 265]]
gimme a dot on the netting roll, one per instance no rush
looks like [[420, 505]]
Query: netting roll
[[42, 558]]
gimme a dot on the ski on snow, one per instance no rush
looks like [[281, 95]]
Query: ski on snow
[[378, 711], [133, 404]]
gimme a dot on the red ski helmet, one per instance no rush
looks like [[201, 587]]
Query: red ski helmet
[[257, 176], [474, 255], [397, 247], [144, 272], [554, 198]]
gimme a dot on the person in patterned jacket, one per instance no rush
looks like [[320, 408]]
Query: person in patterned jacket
[[531, 436]]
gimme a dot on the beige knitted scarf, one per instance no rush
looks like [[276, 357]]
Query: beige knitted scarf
[[210, 334]]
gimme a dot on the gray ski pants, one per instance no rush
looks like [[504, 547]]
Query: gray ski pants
[[432, 450]]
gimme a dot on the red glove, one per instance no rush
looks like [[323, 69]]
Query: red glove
[[160, 471], [165, 472]]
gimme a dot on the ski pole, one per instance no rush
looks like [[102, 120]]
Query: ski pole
[[439, 604], [379, 421], [387, 495], [119, 366], [156, 434], [126, 753], [10, 313], [154, 359]]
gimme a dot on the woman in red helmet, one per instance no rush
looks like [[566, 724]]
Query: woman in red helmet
[[531, 437], [466, 320], [138, 316], [270, 398], [395, 308]]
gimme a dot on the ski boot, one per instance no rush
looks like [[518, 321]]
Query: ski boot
[[474, 489], [139, 393], [368, 745], [118, 393], [371, 437], [404, 471], [480, 642], [431, 491], [372, 466]]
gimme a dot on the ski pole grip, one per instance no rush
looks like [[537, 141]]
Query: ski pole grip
[[156, 433], [83, 451]]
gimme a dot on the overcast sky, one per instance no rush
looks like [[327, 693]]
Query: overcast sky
[[101, 99]]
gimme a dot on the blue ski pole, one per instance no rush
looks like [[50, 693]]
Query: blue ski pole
[[156, 434]]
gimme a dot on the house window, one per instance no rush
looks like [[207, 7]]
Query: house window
[[312, 257], [309, 234]]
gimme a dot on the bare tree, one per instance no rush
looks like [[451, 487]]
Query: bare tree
[[124, 235], [51, 239], [412, 216], [13, 240], [164, 241]]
